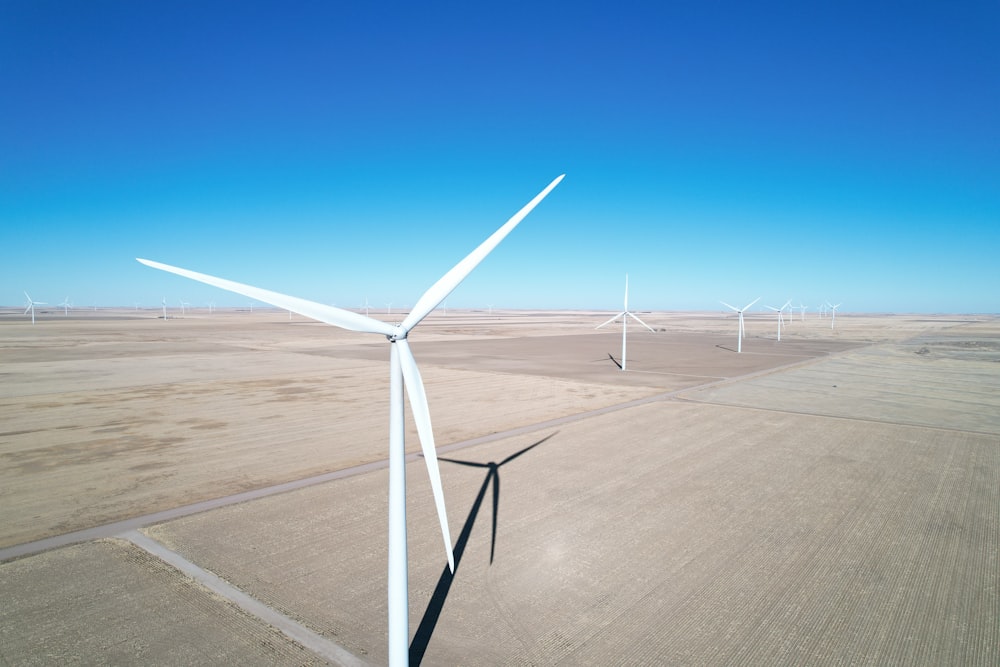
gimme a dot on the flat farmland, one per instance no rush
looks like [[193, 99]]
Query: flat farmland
[[702, 508]]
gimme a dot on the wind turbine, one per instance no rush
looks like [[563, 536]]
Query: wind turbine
[[742, 332], [31, 306], [388, 308], [403, 372], [65, 304], [802, 308], [781, 317], [833, 312], [625, 314]]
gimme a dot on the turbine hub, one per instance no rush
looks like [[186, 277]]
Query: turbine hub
[[398, 334]]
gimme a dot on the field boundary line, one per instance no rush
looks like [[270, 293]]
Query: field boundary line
[[292, 629]]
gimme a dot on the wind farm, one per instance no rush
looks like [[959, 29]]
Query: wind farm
[[240, 434], [200, 471]]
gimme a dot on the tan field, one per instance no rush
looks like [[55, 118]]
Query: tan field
[[833, 498]]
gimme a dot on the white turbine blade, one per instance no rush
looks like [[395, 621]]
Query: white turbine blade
[[777, 310], [732, 308], [750, 304], [440, 290], [626, 292], [636, 318], [317, 311], [422, 416], [611, 320]]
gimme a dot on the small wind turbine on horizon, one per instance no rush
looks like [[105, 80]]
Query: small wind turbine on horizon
[[833, 312], [66, 306], [625, 314], [802, 307], [781, 318], [741, 334], [164, 309], [31, 306], [403, 373]]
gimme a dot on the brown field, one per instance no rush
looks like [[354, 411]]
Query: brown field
[[830, 499]]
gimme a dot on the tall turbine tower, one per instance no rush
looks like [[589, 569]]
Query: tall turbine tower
[[625, 314], [403, 372]]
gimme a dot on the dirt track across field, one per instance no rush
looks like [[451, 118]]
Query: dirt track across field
[[828, 499]]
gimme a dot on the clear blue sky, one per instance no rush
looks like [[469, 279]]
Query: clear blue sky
[[336, 151]]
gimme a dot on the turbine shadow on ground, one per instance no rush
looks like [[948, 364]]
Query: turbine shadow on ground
[[617, 363], [422, 637]]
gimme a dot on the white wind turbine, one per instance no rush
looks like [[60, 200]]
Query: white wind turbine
[[66, 306], [833, 312], [403, 372], [802, 308], [164, 303], [741, 334], [625, 314], [31, 306], [781, 317]]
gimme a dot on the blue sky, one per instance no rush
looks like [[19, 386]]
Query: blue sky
[[343, 151]]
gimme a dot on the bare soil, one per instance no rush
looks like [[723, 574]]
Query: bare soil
[[828, 499]]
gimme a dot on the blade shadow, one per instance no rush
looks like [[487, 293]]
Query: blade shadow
[[617, 363], [422, 637]]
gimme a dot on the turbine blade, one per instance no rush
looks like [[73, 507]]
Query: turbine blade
[[751, 303], [440, 290], [733, 308], [422, 416], [636, 318], [626, 292], [611, 320], [317, 311]]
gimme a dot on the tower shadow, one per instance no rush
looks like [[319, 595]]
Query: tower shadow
[[422, 637]]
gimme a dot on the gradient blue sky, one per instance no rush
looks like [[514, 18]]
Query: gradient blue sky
[[336, 151]]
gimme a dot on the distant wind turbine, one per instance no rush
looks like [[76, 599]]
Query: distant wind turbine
[[164, 309], [741, 334], [802, 307], [66, 306], [833, 312], [781, 318], [31, 306], [403, 372], [625, 314]]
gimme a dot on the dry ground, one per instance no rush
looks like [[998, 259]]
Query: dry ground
[[830, 499]]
